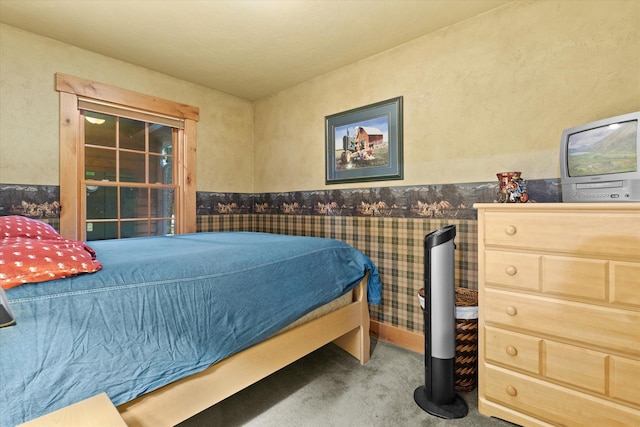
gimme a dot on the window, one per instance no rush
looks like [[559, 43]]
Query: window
[[127, 163], [128, 175]]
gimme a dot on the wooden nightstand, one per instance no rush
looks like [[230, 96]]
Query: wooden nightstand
[[96, 411]]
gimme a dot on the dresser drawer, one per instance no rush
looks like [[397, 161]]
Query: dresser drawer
[[560, 275], [567, 276], [558, 405], [625, 379], [575, 277], [576, 366], [604, 327], [625, 279], [607, 234], [515, 269], [512, 349]]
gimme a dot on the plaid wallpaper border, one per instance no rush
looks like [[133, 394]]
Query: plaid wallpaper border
[[395, 245]]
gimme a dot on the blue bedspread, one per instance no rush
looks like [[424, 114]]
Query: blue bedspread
[[162, 308]]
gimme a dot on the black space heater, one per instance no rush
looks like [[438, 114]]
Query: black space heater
[[438, 396]]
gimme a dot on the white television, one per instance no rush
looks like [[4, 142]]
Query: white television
[[600, 161]]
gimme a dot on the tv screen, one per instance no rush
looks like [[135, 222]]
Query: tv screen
[[603, 150]]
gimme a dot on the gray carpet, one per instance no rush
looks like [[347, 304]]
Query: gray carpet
[[330, 388]]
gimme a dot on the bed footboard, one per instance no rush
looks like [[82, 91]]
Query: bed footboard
[[348, 327]]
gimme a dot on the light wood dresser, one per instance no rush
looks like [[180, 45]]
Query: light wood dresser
[[559, 313]]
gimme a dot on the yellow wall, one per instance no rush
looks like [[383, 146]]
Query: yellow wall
[[29, 112], [492, 93], [489, 94]]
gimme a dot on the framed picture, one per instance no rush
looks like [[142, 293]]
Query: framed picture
[[365, 144]]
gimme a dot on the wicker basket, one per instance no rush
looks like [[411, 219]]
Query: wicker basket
[[466, 362]]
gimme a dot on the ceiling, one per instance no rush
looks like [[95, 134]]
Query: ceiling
[[246, 48]]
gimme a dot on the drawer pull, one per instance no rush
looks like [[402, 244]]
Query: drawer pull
[[511, 390], [511, 310], [511, 350], [511, 270], [510, 230]]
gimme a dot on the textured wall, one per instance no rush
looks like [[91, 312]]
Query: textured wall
[[488, 94], [491, 93], [29, 112]]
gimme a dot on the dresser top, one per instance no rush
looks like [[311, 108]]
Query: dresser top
[[617, 206]]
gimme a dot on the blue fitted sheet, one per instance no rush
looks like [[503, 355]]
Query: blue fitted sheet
[[161, 309]]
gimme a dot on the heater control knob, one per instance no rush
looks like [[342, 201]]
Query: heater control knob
[[510, 230], [511, 310], [511, 350], [511, 390], [511, 270]]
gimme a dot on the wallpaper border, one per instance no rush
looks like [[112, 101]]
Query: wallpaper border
[[453, 201]]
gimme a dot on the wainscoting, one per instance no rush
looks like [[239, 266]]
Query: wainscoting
[[386, 223]]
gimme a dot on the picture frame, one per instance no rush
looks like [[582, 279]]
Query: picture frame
[[365, 143]]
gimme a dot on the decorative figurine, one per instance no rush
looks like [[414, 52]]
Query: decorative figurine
[[512, 188]]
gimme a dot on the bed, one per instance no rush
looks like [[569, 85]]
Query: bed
[[171, 325]]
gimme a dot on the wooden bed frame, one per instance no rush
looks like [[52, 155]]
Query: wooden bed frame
[[348, 327]]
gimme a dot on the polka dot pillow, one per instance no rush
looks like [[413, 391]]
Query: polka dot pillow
[[32, 251]]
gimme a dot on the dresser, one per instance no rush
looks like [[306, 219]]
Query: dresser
[[559, 313]]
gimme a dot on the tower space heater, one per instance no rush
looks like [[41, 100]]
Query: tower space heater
[[438, 396]]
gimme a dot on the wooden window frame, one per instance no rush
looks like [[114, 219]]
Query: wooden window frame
[[72, 218]]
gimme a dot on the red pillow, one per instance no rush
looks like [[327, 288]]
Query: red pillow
[[21, 226], [32, 251]]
